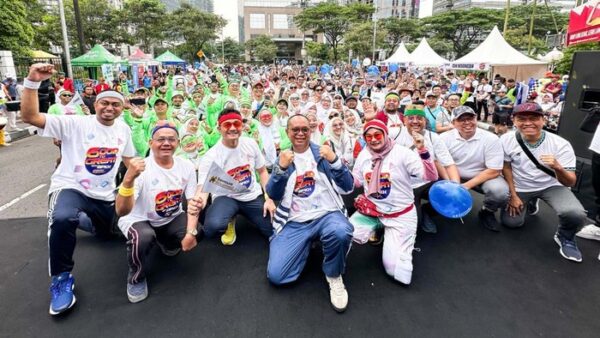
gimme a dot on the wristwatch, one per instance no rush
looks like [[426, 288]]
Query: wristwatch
[[193, 232]]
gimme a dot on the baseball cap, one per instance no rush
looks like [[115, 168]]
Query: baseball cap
[[429, 94], [461, 110], [528, 107]]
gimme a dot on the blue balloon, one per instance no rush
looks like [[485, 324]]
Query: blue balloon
[[450, 199], [373, 70], [393, 68], [311, 69], [355, 63], [325, 69]]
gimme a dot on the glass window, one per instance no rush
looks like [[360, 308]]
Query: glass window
[[280, 21], [257, 21]]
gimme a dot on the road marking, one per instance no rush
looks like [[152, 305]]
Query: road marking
[[16, 200]]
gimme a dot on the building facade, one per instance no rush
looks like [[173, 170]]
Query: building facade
[[205, 5], [275, 18], [440, 6]]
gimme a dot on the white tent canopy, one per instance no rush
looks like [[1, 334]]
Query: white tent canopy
[[494, 50], [553, 55], [400, 55], [425, 56]]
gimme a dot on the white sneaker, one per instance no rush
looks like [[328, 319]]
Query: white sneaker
[[590, 231], [337, 293]]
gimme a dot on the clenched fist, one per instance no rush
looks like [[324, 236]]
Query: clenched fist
[[136, 167], [327, 153], [286, 158], [418, 140], [40, 71]]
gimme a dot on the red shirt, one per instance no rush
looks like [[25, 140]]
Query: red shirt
[[101, 87]]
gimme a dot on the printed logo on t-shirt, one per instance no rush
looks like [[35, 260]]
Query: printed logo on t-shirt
[[166, 203], [385, 185], [100, 160], [242, 175], [305, 184]]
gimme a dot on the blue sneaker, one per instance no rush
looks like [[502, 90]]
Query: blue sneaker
[[61, 290], [137, 292], [568, 248]]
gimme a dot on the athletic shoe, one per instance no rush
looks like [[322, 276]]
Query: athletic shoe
[[589, 231], [428, 225], [533, 206], [568, 248], [376, 237], [61, 290], [166, 251], [229, 237], [337, 293], [85, 223], [488, 220], [137, 292]]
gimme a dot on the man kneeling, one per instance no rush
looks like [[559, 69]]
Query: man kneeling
[[151, 196]]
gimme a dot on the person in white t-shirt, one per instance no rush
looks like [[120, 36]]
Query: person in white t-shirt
[[82, 187], [151, 209], [385, 169], [550, 182], [240, 158], [308, 181], [592, 231], [415, 121], [479, 158]]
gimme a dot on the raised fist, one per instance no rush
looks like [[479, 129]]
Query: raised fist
[[40, 71], [286, 158], [136, 167], [418, 140], [327, 153]]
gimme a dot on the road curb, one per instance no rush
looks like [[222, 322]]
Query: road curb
[[20, 134]]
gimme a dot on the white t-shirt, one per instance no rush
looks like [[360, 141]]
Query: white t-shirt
[[527, 177], [436, 147], [159, 193], [472, 156], [239, 163], [311, 198], [595, 146], [399, 168], [91, 154]]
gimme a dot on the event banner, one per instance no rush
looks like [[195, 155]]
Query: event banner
[[584, 23]]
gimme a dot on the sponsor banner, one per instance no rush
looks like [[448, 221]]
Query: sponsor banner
[[584, 23]]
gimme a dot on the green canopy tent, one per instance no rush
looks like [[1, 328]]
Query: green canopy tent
[[96, 57], [168, 58]]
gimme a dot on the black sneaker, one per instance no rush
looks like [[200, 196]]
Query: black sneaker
[[533, 206], [488, 220]]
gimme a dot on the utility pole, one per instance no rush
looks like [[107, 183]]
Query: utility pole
[[63, 25], [506, 18], [78, 26], [531, 27], [374, 29]]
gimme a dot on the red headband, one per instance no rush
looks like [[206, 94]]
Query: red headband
[[230, 116]]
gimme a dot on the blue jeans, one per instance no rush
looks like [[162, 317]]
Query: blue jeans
[[571, 214], [223, 209], [289, 249]]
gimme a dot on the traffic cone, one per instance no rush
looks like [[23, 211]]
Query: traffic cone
[[2, 143]]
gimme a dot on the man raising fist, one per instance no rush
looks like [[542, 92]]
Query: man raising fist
[[307, 181], [151, 196], [82, 187]]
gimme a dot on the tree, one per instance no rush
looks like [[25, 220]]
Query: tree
[[564, 65], [262, 48], [316, 50], [360, 39], [191, 28], [462, 28], [519, 39], [16, 32], [234, 51], [398, 30], [147, 20], [520, 15], [333, 20]]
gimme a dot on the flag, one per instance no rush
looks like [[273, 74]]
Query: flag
[[218, 182]]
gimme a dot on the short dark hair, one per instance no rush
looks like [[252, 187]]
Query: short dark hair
[[293, 116]]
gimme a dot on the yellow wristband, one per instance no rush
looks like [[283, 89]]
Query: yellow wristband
[[126, 192], [266, 196]]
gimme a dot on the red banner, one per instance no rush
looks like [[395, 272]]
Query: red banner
[[584, 23]]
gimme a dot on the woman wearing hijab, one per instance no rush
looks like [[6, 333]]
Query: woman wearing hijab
[[316, 129], [339, 140], [272, 137], [295, 106], [353, 123], [384, 169], [324, 109]]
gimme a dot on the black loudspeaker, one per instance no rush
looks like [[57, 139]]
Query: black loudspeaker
[[583, 92]]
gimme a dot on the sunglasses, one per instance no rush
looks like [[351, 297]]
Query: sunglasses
[[376, 137], [294, 98], [66, 95], [266, 117], [334, 115], [293, 87], [298, 130], [237, 124], [319, 90]]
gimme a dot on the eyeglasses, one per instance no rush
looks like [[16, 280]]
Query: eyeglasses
[[375, 136], [293, 87], [298, 130], [66, 95], [319, 90], [334, 115], [237, 124], [294, 98], [304, 94], [105, 103], [163, 140], [266, 117], [337, 125]]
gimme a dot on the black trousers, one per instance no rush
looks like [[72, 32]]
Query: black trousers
[[596, 182]]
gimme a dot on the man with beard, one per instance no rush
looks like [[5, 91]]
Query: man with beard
[[390, 115]]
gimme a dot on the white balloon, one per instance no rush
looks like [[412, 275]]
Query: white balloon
[[366, 62]]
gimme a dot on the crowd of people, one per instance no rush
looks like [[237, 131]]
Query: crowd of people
[[308, 159]]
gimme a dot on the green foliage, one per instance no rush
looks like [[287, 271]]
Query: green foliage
[[519, 39], [16, 32], [360, 39], [234, 51], [564, 65], [333, 20], [316, 50], [262, 48], [398, 30], [190, 29], [147, 19]]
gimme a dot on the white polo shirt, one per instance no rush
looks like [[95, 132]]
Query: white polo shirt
[[472, 156], [595, 146], [436, 147], [527, 177]]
